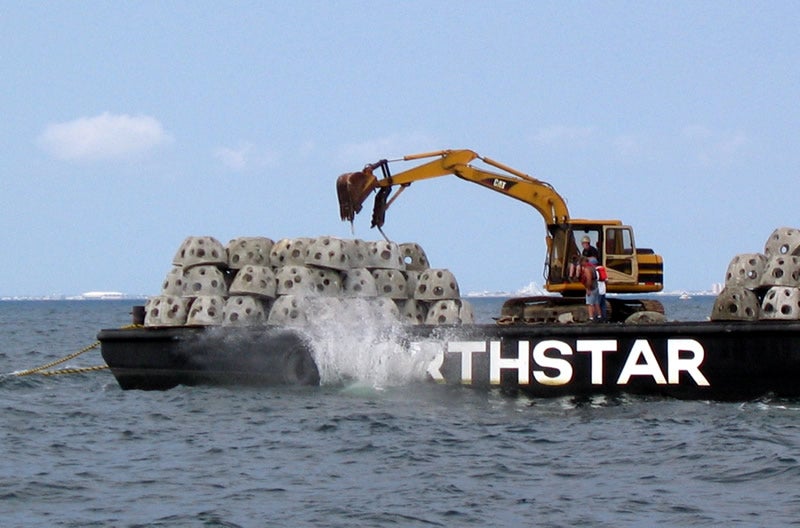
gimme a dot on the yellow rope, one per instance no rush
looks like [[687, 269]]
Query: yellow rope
[[73, 370], [58, 361], [39, 370]]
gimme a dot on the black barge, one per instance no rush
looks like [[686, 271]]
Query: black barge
[[716, 360]]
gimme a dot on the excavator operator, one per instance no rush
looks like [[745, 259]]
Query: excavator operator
[[588, 251]]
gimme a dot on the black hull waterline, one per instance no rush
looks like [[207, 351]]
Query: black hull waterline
[[159, 359], [733, 361]]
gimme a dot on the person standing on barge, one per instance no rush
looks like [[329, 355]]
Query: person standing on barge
[[589, 280]]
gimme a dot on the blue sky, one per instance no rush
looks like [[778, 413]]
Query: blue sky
[[128, 126]]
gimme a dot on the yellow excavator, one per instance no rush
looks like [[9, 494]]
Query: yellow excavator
[[630, 269]]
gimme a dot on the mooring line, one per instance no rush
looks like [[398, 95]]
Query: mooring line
[[77, 370], [58, 361], [43, 369]]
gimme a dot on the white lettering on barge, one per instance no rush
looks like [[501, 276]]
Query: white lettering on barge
[[550, 362]]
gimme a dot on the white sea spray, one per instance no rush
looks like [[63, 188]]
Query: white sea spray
[[357, 341]]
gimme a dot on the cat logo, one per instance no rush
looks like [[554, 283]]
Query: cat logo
[[499, 184]]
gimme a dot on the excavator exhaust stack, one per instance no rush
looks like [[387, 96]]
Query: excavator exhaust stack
[[350, 188]]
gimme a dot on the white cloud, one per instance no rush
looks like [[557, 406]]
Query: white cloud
[[732, 144], [245, 156], [103, 137], [695, 132], [234, 158], [715, 148], [563, 135], [628, 146]]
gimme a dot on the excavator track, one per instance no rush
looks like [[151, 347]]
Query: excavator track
[[550, 310]]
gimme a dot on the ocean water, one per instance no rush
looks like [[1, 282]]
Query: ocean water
[[78, 451]]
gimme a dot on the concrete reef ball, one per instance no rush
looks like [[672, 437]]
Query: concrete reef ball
[[197, 250], [412, 311], [243, 310], [781, 302], [359, 282], [254, 280], [436, 285], [450, 311], [289, 251], [390, 283], [781, 270], [328, 252], [166, 310], [326, 282], [414, 257], [173, 282], [382, 254], [253, 251], [295, 280], [735, 303], [204, 280], [746, 270], [206, 310], [783, 241]]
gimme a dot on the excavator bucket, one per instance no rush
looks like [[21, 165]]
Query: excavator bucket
[[352, 188]]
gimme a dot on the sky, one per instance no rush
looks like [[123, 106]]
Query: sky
[[129, 126]]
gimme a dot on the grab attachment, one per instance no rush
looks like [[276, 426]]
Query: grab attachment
[[352, 189]]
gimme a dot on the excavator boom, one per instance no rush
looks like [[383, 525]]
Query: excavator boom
[[353, 188], [631, 269]]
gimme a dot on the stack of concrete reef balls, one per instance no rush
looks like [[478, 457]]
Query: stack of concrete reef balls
[[761, 286], [210, 284], [257, 281]]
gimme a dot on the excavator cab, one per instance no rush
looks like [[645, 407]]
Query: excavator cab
[[564, 250], [630, 269], [619, 253]]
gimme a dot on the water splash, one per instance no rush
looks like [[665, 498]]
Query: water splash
[[358, 341]]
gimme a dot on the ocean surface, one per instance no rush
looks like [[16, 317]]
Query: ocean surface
[[77, 451]]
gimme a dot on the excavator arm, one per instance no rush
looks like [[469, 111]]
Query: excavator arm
[[353, 188], [630, 269]]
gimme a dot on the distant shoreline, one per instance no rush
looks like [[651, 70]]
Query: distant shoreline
[[73, 298], [127, 297]]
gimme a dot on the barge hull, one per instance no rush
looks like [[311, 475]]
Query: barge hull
[[160, 359], [734, 361]]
